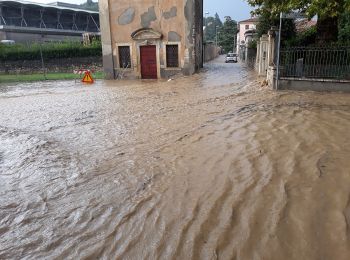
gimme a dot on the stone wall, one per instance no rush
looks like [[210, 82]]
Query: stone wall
[[211, 51], [52, 65], [313, 85], [32, 35]]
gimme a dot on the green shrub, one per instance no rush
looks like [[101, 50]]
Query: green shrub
[[306, 38], [344, 29], [253, 44], [49, 51]]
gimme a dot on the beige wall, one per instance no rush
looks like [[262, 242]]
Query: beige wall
[[242, 30], [128, 16], [178, 21], [108, 60]]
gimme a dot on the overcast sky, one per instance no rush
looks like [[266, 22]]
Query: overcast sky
[[237, 9]]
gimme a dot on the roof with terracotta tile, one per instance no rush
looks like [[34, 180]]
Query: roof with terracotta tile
[[251, 20]]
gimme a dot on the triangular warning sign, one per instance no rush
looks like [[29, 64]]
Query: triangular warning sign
[[87, 78]]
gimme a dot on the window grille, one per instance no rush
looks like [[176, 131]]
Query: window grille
[[172, 56], [247, 27], [124, 57]]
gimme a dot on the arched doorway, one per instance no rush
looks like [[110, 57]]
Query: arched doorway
[[147, 42]]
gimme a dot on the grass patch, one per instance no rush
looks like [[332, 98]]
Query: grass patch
[[49, 76]]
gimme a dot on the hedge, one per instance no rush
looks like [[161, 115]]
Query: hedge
[[49, 51]]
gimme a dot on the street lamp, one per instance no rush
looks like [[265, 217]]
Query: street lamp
[[216, 35]]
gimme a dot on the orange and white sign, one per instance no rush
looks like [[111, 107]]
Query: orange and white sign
[[87, 78]]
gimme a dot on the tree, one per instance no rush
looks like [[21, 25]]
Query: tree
[[218, 21], [267, 20], [344, 28], [90, 5], [227, 34], [328, 12], [210, 24]]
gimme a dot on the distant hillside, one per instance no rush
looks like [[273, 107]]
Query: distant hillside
[[90, 5]]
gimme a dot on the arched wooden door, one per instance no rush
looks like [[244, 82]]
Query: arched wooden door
[[148, 57]]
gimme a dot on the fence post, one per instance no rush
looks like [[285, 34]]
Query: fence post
[[279, 51], [263, 55], [257, 62], [42, 61], [272, 49]]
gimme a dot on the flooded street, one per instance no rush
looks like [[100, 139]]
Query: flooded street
[[212, 166]]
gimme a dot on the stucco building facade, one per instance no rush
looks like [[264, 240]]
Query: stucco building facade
[[151, 38], [246, 30]]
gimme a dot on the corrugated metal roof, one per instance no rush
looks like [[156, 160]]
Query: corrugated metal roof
[[48, 6]]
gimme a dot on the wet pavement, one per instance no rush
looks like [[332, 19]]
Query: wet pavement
[[212, 166]]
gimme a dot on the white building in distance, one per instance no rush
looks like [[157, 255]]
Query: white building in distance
[[244, 27]]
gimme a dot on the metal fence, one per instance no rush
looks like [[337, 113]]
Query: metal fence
[[24, 64], [331, 63]]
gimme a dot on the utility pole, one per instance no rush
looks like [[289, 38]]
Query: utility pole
[[279, 52], [235, 39], [235, 43], [206, 26]]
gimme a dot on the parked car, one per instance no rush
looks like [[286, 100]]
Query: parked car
[[231, 57], [7, 42]]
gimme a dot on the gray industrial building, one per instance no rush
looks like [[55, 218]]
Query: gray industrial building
[[23, 21]]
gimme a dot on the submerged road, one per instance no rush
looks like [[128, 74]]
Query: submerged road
[[212, 166]]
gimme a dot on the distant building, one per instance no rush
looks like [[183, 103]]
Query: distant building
[[23, 21], [62, 4], [246, 31], [151, 39], [303, 25]]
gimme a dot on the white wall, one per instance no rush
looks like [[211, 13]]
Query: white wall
[[242, 30]]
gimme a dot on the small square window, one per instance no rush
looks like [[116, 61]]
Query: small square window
[[124, 57], [247, 27], [172, 56]]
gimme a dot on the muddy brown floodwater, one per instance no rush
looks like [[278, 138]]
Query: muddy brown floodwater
[[205, 167]]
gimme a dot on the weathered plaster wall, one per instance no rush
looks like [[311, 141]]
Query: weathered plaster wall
[[174, 19], [161, 15], [107, 45]]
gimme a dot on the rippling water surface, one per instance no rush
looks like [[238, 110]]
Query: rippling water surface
[[205, 167]]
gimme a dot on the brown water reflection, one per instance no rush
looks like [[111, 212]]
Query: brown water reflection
[[206, 167]]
